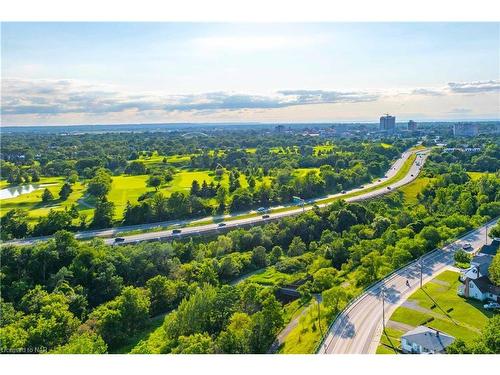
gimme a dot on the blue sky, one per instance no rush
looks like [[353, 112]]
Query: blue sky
[[74, 73]]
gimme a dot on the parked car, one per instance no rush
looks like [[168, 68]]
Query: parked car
[[119, 239], [265, 216], [221, 224], [492, 306], [176, 231], [467, 246]]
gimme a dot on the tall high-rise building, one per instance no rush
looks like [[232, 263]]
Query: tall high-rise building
[[412, 125], [388, 123], [465, 129]]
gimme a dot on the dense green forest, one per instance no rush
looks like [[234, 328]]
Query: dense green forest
[[87, 297]]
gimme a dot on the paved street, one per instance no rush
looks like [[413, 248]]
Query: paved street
[[359, 327]]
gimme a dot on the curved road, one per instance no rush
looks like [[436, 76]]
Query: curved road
[[359, 327], [194, 230]]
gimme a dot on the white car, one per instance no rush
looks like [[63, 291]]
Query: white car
[[492, 306]]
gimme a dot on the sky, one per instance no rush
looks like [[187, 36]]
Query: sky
[[112, 73]]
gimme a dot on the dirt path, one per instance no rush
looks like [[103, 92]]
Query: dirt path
[[399, 326], [280, 339]]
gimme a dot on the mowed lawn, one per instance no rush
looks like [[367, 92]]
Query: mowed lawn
[[438, 306], [32, 202]]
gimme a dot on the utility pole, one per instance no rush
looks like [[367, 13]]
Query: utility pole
[[383, 307], [486, 236]]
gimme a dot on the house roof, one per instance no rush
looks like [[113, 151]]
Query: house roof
[[429, 338], [486, 286], [482, 261], [490, 249]]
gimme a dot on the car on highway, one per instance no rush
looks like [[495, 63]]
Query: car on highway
[[265, 216], [261, 209], [492, 306], [343, 191], [388, 188], [467, 247], [379, 180], [176, 231], [221, 224], [411, 175], [119, 240], [362, 187]]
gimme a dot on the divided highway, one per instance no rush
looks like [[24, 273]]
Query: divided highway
[[357, 330], [185, 228]]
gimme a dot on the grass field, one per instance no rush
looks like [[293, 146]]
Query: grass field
[[476, 175], [32, 202], [152, 325], [272, 277], [304, 338], [438, 306], [411, 190]]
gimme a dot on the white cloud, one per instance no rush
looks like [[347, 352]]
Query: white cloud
[[474, 87]]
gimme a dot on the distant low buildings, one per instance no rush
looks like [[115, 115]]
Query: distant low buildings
[[425, 340], [475, 281], [412, 126], [387, 123], [462, 149], [465, 129]]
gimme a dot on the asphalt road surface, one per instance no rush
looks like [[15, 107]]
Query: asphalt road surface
[[194, 230], [359, 327]]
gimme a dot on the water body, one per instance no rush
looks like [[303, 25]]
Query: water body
[[16, 191]]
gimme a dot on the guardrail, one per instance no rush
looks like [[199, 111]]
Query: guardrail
[[388, 277]]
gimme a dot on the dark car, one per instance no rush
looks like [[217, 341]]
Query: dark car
[[119, 239], [388, 188], [411, 175], [343, 191], [221, 224], [176, 231], [265, 216]]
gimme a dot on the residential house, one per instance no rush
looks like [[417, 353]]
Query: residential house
[[425, 340], [475, 281]]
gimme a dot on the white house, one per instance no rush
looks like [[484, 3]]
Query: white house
[[480, 288], [425, 340], [475, 281]]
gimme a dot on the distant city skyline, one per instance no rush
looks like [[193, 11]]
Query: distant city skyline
[[125, 73]]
